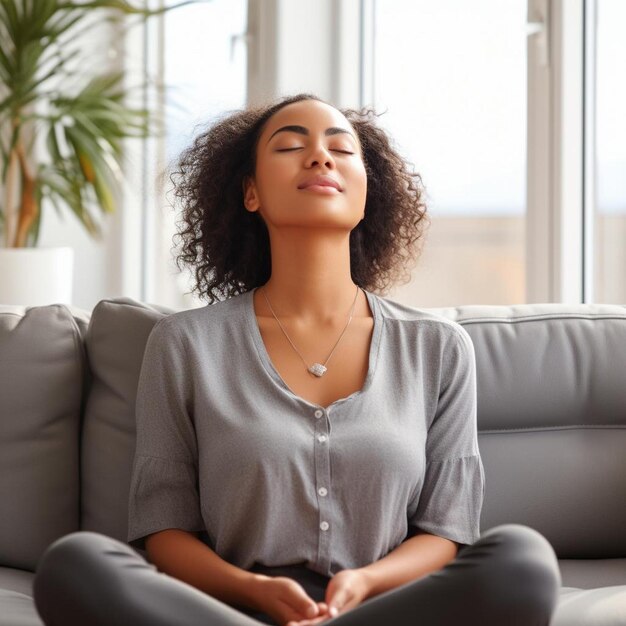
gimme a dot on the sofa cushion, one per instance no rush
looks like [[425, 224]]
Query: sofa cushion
[[605, 606], [592, 573], [115, 343], [43, 373], [17, 607], [17, 580], [551, 382]]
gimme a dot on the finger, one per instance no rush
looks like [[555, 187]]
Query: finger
[[322, 616], [336, 603], [334, 606], [305, 607], [309, 622]]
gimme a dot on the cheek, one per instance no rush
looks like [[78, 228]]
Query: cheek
[[275, 172], [359, 168], [269, 179], [359, 178]]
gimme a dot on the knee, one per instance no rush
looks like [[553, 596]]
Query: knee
[[523, 552], [72, 554], [523, 567], [71, 567], [516, 534]]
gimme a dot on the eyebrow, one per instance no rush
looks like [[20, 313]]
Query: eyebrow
[[302, 130]]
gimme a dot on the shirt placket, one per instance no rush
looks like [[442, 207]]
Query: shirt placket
[[321, 444]]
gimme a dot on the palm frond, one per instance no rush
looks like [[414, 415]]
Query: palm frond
[[123, 6], [85, 120], [10, 17], [65, 183]]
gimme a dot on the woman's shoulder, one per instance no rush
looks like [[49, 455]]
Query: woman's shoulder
[[433, 320], [207, 318]]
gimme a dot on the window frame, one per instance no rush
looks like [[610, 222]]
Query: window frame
[[555, 168]]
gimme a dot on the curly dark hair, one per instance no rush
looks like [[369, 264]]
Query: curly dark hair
[[229, 247]]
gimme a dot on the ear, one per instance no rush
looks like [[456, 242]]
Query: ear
[[250, 195]]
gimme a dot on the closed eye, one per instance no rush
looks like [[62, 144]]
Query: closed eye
[[332, 150]]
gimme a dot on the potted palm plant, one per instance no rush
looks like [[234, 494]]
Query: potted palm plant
[[58, 147]]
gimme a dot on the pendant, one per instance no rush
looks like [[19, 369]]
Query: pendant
[[317, 369]]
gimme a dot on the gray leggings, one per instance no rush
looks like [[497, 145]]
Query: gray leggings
[[510, 575]]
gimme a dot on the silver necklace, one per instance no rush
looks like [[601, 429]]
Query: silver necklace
[[317, 368]]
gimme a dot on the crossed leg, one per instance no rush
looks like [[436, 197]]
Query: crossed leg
[[509, 576], [89, 579]]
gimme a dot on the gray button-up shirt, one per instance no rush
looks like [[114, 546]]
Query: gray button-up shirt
[[224, 447]]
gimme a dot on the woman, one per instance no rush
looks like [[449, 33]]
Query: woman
[[307, 450]]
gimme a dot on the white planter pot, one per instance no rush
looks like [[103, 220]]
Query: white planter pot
[[36, 276]]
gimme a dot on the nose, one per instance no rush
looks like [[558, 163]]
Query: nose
[[318, 155]]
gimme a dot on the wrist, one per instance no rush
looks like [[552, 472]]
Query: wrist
[[369, 581], [253, 591]]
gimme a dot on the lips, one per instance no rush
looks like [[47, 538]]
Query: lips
[[322, 181]]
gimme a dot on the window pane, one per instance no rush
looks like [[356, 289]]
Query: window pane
[[204, 79], [610, 217], [452, 76], [203, 82]]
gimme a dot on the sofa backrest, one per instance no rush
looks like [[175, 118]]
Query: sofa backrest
[[551, 385], [551, 382], [115, 343], [43, 380]]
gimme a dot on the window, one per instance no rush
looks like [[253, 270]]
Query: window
[[607, 98], [204, 70], [452, 77], [511, 111]]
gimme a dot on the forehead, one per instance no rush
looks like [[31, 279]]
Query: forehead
[[312, 114]]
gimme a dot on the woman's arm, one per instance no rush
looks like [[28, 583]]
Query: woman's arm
[[412, 559], [182, 555]]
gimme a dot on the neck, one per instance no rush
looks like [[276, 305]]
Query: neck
[[311, 281]]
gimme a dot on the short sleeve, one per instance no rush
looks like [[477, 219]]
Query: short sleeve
[[452, 493], [163, 487]]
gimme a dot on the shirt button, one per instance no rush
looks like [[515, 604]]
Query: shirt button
[[324, 525], [321, 438], [319, 413], [322, 491]]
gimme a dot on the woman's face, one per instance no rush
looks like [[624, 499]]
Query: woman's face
[[318, 141]]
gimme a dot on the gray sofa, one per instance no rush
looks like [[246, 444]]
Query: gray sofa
[[551, 416]]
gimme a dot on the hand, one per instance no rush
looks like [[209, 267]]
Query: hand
[[345, 590], [286, 601], [322, 616]]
